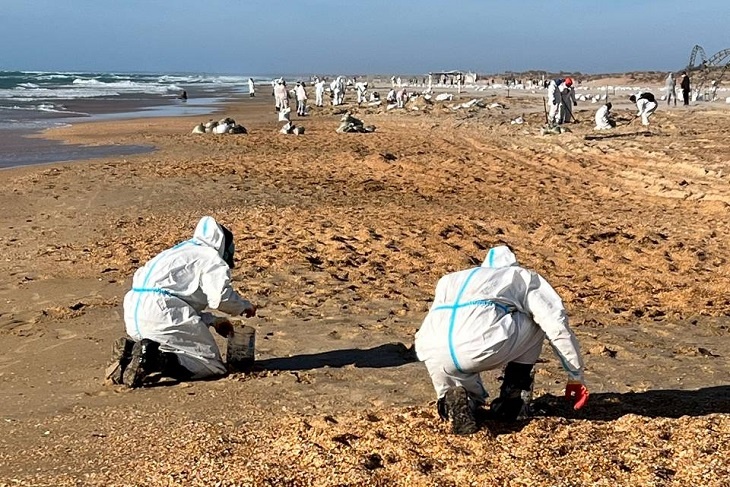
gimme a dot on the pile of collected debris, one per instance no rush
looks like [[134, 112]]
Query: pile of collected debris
[[223, 126], [290, 128], [351, 124]]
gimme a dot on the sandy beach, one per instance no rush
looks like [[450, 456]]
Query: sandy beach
[[341, 239]]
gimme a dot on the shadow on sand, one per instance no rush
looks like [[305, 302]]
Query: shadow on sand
[[609, 406], [666, 403], [388, 355], [602, 406], [645, 133]]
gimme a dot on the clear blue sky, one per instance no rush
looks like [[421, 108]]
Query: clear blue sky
[[251, 37]]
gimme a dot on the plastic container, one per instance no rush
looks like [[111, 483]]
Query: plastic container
[[241, 348]]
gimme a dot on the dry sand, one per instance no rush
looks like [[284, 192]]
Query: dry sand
[[341, 239]]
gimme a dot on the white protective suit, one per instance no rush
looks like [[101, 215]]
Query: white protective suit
[[281, 95], [361, 88], [338, 91], [170, 292], [301, 95], [645, 109], [401, 97], [485, 317], [671, 85], [603, 122], [553, 99], [568, 101], [319, 93]]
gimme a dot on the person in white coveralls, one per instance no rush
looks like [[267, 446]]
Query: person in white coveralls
[[251, 87], [486, 318], [163, 312], [281, 95], [319, 92], [301, 95], [361, 87], [555, 98], [645, 104], [603, 117], [338, 91], [671, 85]]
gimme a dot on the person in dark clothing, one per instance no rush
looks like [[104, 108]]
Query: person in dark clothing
[[685, 88]]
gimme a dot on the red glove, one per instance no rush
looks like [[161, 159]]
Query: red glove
[[576, 392]]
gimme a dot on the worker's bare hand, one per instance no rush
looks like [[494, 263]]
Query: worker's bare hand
[[249, 312], [224, 328]]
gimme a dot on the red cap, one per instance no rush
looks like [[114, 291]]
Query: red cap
[[568, 81]]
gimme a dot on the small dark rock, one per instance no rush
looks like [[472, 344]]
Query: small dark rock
[[373, 461]]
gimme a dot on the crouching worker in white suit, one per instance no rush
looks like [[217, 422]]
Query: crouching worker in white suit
[[603, 117], [646, 105], [488, 317], [167, 331]]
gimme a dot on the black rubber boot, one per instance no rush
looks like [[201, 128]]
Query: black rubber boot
[[121, 356], [516, 389], [171, 367], [457, 408], [441, 408], [145, 361]]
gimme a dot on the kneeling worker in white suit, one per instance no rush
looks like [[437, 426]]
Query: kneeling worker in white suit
[[603, 117], [483, 319], [168, 332]]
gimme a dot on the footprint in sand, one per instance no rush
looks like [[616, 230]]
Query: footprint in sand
[[64, 334]]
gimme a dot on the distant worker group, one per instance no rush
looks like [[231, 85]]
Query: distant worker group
[[561, 97]]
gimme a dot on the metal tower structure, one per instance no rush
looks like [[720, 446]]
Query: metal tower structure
[[708, 69]]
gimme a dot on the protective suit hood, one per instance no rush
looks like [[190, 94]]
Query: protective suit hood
[[500, 256], [210, 233]]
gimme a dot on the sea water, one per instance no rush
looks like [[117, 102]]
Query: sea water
[[31, 101]]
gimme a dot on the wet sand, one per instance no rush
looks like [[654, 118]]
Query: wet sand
[[21, 145], [341, 239]]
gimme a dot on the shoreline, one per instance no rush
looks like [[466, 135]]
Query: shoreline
[[31, 146], [212, 104]]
